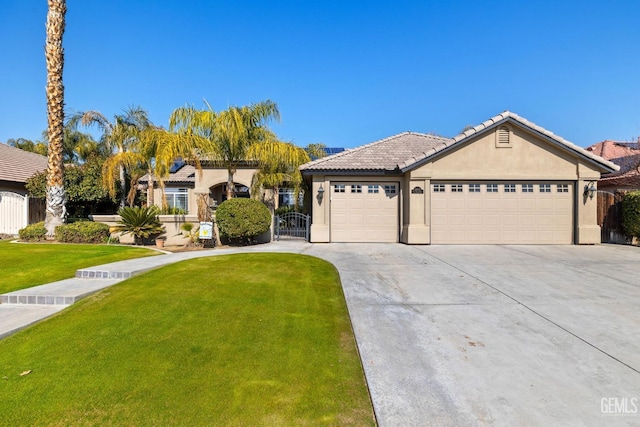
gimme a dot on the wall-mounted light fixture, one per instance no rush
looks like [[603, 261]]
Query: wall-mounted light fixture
[[590, 189], [321, 191]]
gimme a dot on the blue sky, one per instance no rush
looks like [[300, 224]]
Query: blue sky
[[343, 73]]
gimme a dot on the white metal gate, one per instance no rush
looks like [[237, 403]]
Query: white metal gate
[[14, 213]]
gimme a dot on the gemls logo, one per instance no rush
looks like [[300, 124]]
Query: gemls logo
[[619, 405]]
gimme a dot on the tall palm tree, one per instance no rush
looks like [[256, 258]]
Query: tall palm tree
[[119, 137], [279, 162], [56, 198], [225, 137]]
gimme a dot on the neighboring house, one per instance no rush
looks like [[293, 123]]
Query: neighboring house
[[624, 154], [16, 209], [505, 181]]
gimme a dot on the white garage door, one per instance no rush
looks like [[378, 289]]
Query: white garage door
[[502, 213], [364, 211], [13, 212]]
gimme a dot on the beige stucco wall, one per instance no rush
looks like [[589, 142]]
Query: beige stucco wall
[[527, 157]]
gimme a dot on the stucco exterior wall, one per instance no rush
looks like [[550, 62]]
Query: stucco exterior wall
[[527, 157]]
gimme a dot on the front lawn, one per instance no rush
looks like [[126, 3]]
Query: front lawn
[[31, 264], [234, 340]]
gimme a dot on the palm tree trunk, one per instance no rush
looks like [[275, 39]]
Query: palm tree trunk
[[150, 195], [56, 197], [230, 185], [123, 186]]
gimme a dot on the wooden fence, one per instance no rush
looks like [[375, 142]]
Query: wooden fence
[[610, 217]]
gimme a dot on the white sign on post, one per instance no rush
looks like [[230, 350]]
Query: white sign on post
[[206, 230]]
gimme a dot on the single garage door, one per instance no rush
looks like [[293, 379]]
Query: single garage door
[[364, 211], [13, 212], [502, 213]]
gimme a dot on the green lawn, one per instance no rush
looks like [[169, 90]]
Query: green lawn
[[234, 340], [26, 265]]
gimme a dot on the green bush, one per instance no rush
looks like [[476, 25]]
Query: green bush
[[631, 213], [83, 232], [242, 219], [33, 232], [142, 222]]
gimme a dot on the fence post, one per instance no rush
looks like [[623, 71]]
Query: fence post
[[277, 219], [307, 238]]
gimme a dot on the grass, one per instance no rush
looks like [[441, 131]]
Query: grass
[[234, 340], [26, 265]]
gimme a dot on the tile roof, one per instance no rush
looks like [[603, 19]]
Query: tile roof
[[384, 155], [407, 150], [624, 154], [17, 165]]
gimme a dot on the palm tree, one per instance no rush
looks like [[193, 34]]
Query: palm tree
[[56, 198], [225, 137], [279, 162], [157, 149], [119, 137]]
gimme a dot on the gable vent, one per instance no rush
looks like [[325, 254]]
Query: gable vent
[[503, 135]]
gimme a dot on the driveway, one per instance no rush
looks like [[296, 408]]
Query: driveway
[[495, 335]]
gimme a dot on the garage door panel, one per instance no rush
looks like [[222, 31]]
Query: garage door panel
[[527, 213], [366, 216]]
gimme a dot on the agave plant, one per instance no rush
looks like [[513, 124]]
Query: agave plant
[[142, 222]]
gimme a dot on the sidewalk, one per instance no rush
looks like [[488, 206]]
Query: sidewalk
[[25, 307]]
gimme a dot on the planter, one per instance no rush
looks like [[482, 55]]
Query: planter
[[160, 243]]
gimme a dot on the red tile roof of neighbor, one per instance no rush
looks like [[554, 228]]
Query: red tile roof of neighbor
[[17, 165], [624, 154]]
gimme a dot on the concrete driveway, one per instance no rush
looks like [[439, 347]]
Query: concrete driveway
[[495, 335]]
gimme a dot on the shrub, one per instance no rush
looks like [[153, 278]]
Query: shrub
[[631, 213], [243, 219], [33, 232], [83, 232], [142, 222], [173, 211]]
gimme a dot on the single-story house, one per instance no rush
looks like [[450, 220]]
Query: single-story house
[[624, 154], [16, 209], [505, 181]]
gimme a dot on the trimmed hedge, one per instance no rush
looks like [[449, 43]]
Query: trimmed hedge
[[33, 232], [82, 232], [631, 213], [242, 219]]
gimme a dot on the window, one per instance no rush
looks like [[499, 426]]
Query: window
[[286, 197], [390, 189], [474, 188], [509, 188], [562, 188], [357, 188], [339, 188], [456, 188], [545, 188], [438, 188], [492, 188], [527, 188], [372, 189], [178, 198]]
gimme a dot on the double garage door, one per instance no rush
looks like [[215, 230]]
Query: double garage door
[[461, 212], [502, 213]]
